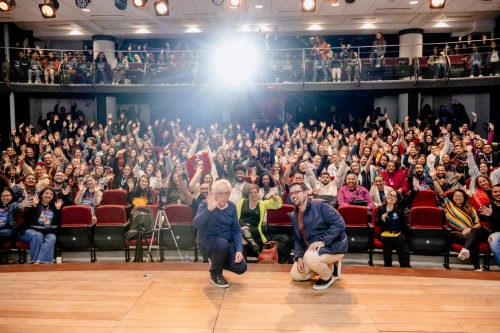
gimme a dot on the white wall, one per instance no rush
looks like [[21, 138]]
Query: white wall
[[40, 106], [390, 103]]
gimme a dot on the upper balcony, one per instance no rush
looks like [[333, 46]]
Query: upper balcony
[[244, 66]]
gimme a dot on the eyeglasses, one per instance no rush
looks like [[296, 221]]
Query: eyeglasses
[[224, 194], [294, 193]]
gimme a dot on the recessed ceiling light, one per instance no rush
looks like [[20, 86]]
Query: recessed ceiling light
[[75, 32], [414, 2], [314, 26], [259, 6], [193, 30], [142, 31], [441, 24], [368, 26], [86, 10], [335, 3]]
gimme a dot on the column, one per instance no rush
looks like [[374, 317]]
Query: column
[[12, 105], [411, 41], [111, 107], [106, 44], [408, 104]]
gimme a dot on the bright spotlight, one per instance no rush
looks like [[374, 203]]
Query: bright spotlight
[[437, 4], [6, 6], [121, 4], [49, 8], [236, 62], [140, 3], [234, 4], [82, 3], [162, 8], [308, 5]]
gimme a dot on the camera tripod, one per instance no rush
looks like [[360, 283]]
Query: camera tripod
[[161, 223]]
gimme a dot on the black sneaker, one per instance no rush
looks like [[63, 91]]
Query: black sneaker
[[323, 284], [219, 281]]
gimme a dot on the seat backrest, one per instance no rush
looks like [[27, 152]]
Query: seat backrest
[[422, 62], [424, 198], [354, 215], [179, 214], [389, 61], [426, 217], [114, 197], [456, 59], [280, 217], [110, 214], [133, 66], [76, 215]]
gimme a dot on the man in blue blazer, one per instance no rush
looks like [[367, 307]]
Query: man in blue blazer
[[320, 238]]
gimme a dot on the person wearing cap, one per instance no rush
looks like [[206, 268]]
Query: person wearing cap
[[320, 239]]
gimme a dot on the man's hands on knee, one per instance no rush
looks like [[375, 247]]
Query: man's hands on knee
[[300, 265], [238, 257], [316, 246]]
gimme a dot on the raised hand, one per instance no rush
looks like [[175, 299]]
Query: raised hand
[[36, 200], [58, 204]]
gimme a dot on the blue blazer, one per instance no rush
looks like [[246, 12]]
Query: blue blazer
[[322, 222]]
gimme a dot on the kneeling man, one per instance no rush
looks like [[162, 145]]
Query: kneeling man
[[219, 233], [320, 238]]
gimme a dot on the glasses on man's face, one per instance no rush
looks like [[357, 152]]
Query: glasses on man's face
[[294, 193], [224, 194]]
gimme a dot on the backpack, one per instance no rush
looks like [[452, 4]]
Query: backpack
[[142, 220]]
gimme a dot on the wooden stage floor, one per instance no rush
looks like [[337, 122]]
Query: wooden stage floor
[[154, 298]]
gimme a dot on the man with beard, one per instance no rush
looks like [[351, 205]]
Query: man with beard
[[487, 156], [446, 181], [62, 190], [460, 159], [424, 183], [240, 186], [320, 239]]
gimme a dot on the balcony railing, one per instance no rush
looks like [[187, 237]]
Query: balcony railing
[[287, 66]]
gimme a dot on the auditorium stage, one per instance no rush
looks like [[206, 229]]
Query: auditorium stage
[[160, 297]]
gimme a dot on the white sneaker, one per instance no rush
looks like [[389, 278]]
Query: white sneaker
[[480, 75], [471, 75], [464, 254]]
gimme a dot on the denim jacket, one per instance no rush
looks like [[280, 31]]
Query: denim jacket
[[322, 222]]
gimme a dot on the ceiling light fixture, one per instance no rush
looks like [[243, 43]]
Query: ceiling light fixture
[[75, 32], [314, 27], [6, 6], [140, 3], [218, 2], [82, 3], [437, 4], [350, 1], [259, 6], [308, 6], [162, 8], [368, 26], [335, 3], [121, 4], [234, 4], [193, 30], [441, 24], [414, 2], [142, 31], [49, 8]]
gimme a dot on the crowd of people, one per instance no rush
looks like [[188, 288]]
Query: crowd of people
[[140, 63], [71, 161]]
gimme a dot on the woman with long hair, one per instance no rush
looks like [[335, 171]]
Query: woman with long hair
[[391, 217], [41, 221], [482, 196], [267, 186], [462, 218], [142, 194]]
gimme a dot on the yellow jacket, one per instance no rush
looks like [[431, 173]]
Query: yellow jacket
[[264, 205]]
